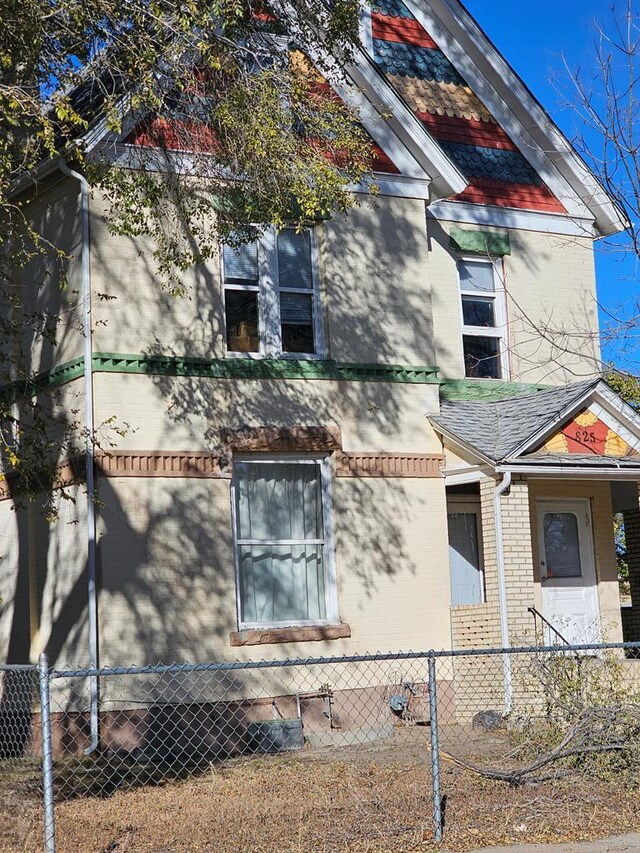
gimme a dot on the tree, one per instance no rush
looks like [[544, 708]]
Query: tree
[[230, 82], [606, 101]]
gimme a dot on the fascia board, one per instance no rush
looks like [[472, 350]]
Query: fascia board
[[581, 472], [398, 186], [445, 176], [512, 217], [29, 182], [519, 113], [382, 130], [624, 416]]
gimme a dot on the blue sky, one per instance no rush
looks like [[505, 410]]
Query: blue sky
[[533, 37]]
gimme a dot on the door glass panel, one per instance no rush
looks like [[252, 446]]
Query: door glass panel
[[562, 545], [464, 559]]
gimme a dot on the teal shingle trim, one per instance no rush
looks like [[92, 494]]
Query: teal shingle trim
[[409, 60], [494, 244], [392, 8], [492, 164]]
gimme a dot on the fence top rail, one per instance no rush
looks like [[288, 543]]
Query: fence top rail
[[18, 667], [230, 666]]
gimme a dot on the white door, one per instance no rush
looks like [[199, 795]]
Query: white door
[[568, 572]]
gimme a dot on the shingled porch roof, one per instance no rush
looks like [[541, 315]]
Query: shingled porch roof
[[514, 429]]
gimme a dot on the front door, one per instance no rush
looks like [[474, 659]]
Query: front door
[[567, 571]]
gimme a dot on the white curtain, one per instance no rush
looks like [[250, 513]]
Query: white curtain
[[280, 582], [464, 559]]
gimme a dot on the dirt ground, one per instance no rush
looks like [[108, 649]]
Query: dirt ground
[[316, 803]]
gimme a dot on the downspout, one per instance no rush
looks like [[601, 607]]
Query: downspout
[[500, 489], [92, 590]]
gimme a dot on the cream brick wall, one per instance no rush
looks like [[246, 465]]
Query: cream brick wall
[[518, 554], [551, 306], [43, 581], [168, 585], [599, 495], [479, 625], [188, 414], [374, 291], [55, 216]]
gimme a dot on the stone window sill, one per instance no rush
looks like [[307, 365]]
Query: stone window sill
[[272, 636]]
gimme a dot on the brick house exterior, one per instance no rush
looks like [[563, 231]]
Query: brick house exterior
[[348, 428]]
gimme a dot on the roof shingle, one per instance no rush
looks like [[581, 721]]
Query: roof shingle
[[497, 429]]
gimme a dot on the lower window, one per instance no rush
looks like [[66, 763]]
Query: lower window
[[465, 552], [285, 572]]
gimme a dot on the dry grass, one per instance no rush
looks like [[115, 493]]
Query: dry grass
[[318, 804]]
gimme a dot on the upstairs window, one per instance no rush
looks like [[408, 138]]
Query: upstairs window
[[483, 320], [271, 296]]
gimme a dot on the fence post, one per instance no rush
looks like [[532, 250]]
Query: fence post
[[47, 757], [435, 749]]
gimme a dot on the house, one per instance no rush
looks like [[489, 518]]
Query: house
[[386, 432]]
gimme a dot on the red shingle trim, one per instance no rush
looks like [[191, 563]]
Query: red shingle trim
[[389, 465], [504, 194], [467, 131], [174, 135], [400, 30], [382, 163]]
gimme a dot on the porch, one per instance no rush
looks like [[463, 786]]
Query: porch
[[533, 484]]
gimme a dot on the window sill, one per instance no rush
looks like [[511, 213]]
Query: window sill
[[272, 636]]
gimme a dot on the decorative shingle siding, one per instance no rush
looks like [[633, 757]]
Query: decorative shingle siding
[[409, 60], [439, 96], [493, 164], [392, 9]]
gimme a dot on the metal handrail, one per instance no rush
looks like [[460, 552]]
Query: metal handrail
[[536, 613]]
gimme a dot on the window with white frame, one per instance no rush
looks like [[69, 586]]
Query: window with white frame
[[465, 551], [283, 542], [271, 295], [483, 319]]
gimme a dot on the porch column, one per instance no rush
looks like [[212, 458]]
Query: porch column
[[518, 555], [631, 621]]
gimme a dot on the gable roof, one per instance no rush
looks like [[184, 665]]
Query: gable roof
[[496, 430], [578, 425], [450, 120], [520, 114], [440, 97]]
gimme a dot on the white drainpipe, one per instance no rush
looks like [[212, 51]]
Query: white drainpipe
[[92, 591], [500, 489]]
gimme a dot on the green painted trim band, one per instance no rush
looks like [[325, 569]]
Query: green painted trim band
[[485, 390], [494, 244], [66, 372], [219, 368], [250, 368]]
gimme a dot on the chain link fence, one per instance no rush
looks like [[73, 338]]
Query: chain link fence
[[359, 750], [20, 754]]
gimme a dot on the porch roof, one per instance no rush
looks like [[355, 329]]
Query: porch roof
[[515, 429]]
